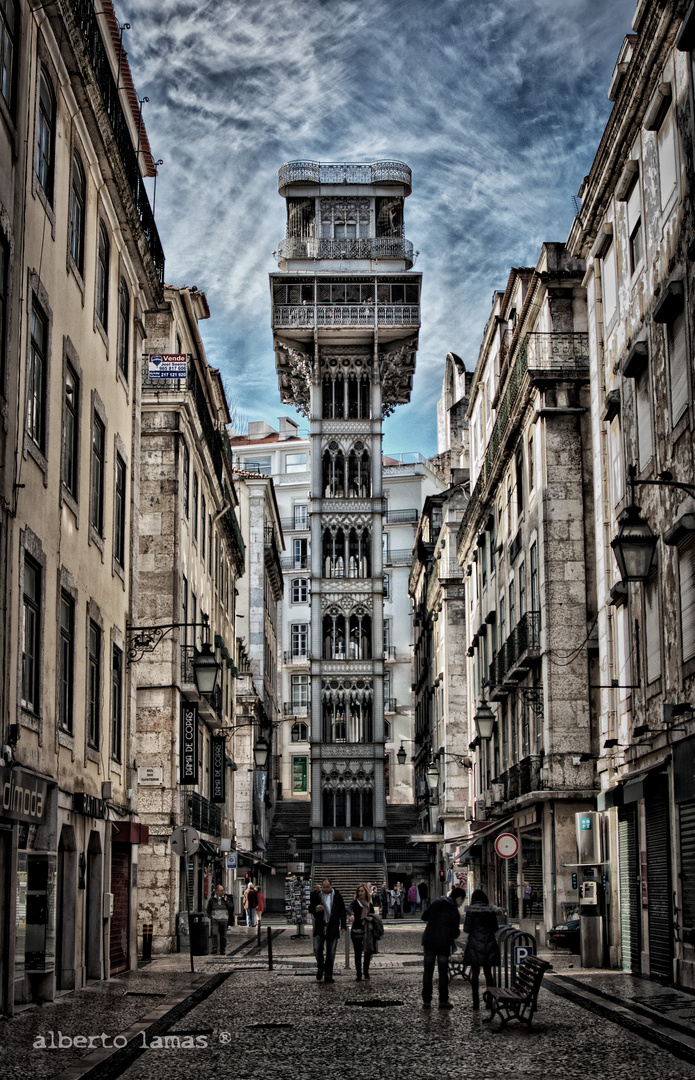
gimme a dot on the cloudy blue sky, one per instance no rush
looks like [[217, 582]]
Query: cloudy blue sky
[[497, 106]]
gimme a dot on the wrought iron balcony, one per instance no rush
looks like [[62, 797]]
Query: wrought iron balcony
[[366, 247], [521, 778], [289, 562], [296, 657], [295, 316], [201, 814], [398, 557], [291, 524], [290, 709], [401, 517], [344, 172], [450, 568], [518, 653], [390, 705]]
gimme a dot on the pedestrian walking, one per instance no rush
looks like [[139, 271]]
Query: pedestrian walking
[[527, 898], [398, 898], [385, 896], [482, 950], [327, 907], [424, 894], [361, 912], [250, 902], [220, 909], [413, 898], [443, 927], [260, 906]]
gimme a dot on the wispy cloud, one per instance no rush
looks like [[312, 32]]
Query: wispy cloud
[[497, 106]]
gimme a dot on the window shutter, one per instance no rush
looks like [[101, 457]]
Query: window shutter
[[644, 418], [678, 367], [652, 629], [686, 575]]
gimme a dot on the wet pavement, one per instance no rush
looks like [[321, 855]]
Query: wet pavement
[[237, 1019]]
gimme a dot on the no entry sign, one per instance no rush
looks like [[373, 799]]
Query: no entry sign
[[506, 845]]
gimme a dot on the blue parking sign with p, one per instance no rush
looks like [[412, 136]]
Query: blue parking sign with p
[[521, 952]]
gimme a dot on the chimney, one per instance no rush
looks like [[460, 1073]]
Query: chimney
[[288, 428]]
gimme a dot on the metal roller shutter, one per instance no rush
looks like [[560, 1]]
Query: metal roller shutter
[[687, 837], [659, 883], [120, 921], [629, 890]]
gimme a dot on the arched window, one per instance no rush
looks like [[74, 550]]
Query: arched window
[[123, 326], [8, 23], [45, 134], [359, 480], [360, 636], [102, 293], [334, 637], [300, 733], [334, 553], [333, 474], [358, 398], [360, 554], [78, 195]]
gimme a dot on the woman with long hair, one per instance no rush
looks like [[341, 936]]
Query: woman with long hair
[[482, 950], [361, 911]]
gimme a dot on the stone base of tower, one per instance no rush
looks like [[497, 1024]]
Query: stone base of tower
[[341, 848]]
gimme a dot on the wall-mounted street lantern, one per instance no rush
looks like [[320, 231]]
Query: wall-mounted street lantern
[[260, 753], [145, 639], [205, 668], [432, 774], [401, 754], [484, 721], [635, 545]]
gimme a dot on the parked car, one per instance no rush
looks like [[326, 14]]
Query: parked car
[[565, 935]]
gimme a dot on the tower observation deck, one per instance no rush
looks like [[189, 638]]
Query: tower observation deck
[[346, 316]]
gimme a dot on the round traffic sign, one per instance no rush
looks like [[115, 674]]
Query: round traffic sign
[[506, 845], [184, 840]]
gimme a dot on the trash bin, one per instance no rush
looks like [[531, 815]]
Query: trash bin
[[200, 933]]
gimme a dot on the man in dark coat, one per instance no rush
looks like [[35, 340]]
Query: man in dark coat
[[424, 894], [482, 950], [327, 907], [220, 908], [443, 927]]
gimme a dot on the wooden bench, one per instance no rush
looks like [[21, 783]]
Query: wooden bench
[[519, 1001]]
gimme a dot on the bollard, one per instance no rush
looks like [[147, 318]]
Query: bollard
[[258, 933], [270, 949], [147, 943], [347, 948]]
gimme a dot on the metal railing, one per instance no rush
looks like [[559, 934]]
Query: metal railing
[[288, 562], [398, 557], [521, 778], [289, 316], [187, 657], [450, 568], [523, 643], [390, 705], [390, 653], [87, 23], [296, 657], [344, 172], [367, 247], [401, 517], [290, 709], [291, 524], [202, 814]]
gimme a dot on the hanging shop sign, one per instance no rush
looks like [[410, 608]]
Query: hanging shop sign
[[188, 760], [218, 792], [167, 366], [507, 845]]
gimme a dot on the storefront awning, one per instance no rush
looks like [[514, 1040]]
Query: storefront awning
[[490, 829]]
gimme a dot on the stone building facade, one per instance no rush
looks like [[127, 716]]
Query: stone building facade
[[636, 231], [80, 264], [525, 544], [191, 555]]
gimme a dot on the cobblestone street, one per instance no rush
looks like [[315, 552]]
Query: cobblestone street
[[245, 1021]]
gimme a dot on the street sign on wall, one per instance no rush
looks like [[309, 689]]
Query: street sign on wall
[[507, 845]]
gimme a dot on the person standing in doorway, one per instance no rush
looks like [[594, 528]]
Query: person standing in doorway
[[424, 894], [443, 927], [220, 909], [327, 907], [482, 950]]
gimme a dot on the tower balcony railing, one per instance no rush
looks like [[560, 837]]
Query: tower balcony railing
[[401, 517], [363, 247], [295, 316], [293, 524], [398, 557], [344, 172]]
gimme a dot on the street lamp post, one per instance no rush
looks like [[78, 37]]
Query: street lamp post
[[635, 545]]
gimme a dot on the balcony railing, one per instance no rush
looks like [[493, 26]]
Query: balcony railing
[[390, 653], [201, 814], [519, 650], [291, 524], [401, 517], [290, 709], [289, 562], [187, 657], [292, 316], [450, 568], [368, 247], [86, 19], [344, 172], [398, 557], [296, 657], [521, 778], [390, 705]]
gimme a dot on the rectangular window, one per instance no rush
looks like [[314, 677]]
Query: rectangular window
[[184, 610], [686, 582], [299, 549], [300, 691], [217, 559], [94, 672], [634, 225], [519, 482], [102, 289], [45, 135], [522, 590], [300, 640], [123, 327], [643, 411], [535, 596], [678, 366], [652, 628], [71, 415], [119, 513], [31, 635], [210, 544], [503, 624], [666, 143], [387, 586], [531, 462], [609, 284], [512, 609], [116, 703], [301, 517], [258, 465], [66, 662], [387, 636], [96, 515], [36, 380], [195, 505], [616, 459], [295, 463], [7, 39], [202, 527], [300, 591], [186, 480], [194, 618]]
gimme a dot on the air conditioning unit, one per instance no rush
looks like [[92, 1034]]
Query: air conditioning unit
[[498, 793]]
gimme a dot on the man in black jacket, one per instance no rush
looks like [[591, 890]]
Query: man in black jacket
[[443, 927], [328, 909]]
